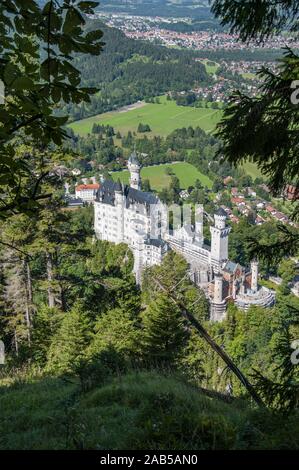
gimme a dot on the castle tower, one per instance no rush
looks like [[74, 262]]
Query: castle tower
[[218, 288], [120, 207], [219, 235], [218, 304], [134, 169], [254, 275]]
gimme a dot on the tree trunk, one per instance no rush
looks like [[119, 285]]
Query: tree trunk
[[28, 303], [28, 322], [29, 282], [16, 343], [62, 299], [51, 298]]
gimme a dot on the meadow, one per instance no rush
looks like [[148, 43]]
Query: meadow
[[211, 66], [159, 178], [162, 118], [252, 170]]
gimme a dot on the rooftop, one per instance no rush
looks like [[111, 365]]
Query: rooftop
[[157, 242], [221, 212], [230, 267], [85, 187], [106, 194]]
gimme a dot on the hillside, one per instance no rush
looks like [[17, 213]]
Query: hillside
[[183, 8], [148, 410], [129, 70]]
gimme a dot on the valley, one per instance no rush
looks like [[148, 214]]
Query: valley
[[163, 118]]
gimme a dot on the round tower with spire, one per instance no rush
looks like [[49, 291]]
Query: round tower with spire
[[134, 168]]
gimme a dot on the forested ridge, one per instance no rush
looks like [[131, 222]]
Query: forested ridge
[[129, 70], [184, 8]]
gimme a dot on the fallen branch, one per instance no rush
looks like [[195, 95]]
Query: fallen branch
[[203, 332]]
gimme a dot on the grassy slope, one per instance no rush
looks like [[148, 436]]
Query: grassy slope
[[137, 411], [252, 170], [186, 173], [211, 69], [249, 75], [162, 118]]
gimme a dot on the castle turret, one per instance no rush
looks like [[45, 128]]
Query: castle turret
[[219, 241], [256, 295], [220, 218], [218, 304], [218, 288], [134, 169], [254, 275]]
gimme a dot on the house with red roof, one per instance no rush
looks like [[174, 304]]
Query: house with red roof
[[271, 209], [238, 201], [259, 220], [87, 192]]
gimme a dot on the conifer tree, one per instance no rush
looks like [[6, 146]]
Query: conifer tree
[[118, 330], [17, 295], [46, 324], [68, 346], [164, 333]]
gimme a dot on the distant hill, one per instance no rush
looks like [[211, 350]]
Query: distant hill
[[175, 8], [195, 9]]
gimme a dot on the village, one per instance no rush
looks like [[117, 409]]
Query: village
[[153, 29]]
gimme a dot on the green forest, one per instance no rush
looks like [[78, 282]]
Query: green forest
[[128, 71], [85, 341], [89, 359]]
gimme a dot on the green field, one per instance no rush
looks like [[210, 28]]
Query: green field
[[249, 75], [210, 69], [158, 178], [162, 118], [252, 170]]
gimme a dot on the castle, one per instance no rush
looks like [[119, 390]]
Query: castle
[[126, 214]]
